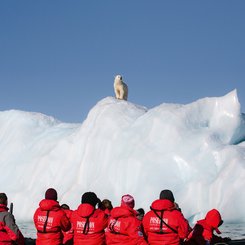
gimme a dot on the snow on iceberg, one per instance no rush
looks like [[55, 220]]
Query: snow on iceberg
[[197, 150]]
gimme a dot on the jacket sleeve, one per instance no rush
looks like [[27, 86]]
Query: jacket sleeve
[[184, 227], [145, 223], [104, 220], [65, 223]]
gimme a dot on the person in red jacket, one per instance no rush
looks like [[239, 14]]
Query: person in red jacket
[[123, 226], [165, 224], [50, 220], [202, 233], [67, 235], [9, 231], [88, 222]]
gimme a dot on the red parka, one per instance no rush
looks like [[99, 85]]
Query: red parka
[[203, 230], [9, 231], [89, 225], [50, 220], [124, 227], [164, 224]]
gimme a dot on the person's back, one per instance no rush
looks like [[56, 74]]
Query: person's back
[[88, 222], [50, 220], [165, 224], [9, 231], [123, 226]]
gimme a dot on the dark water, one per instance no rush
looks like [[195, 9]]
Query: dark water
[[27, 229], [234, 231]]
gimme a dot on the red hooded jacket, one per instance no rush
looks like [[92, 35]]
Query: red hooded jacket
[[89, 224], [50, 220], [124, 227], [154, 222], [203, 230]]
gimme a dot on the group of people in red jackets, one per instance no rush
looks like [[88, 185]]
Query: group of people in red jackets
[[96, 222]]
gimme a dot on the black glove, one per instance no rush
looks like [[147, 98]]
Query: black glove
[[226, 239]]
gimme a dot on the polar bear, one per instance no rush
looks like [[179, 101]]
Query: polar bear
[[120, 88]]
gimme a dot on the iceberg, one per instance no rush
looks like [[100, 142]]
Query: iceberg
[[197, 150]]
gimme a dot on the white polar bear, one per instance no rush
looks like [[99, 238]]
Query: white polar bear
[[120, 88]]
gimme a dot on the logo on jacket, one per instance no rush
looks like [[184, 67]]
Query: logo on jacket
[[42, 220], [155, 223], [81, 225], [115, 225]]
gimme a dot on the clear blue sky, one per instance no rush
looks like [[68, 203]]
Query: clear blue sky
[[59, 57]]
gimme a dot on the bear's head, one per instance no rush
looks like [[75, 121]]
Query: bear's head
[[118, 78]]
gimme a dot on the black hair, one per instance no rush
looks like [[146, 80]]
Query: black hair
[[90, 197], [65, 206], [3, 198], [140, 211]]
